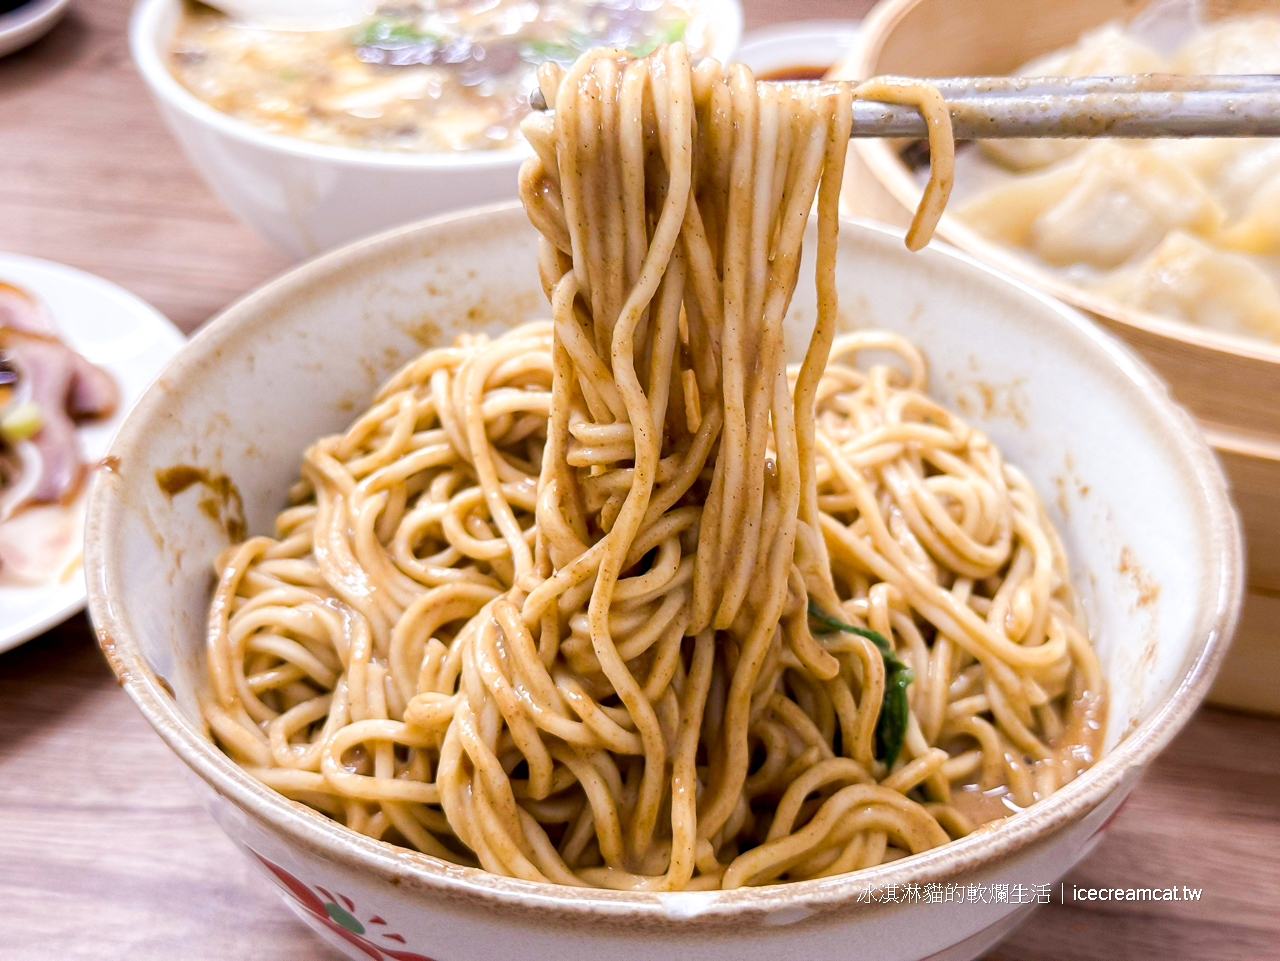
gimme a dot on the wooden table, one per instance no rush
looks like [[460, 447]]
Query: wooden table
[[104, 851]]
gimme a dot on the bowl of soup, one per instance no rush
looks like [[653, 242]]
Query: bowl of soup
[[314, 138]]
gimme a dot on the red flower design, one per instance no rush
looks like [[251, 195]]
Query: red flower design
[[335, 913]]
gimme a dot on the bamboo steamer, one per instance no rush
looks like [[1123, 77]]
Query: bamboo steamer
[[1231, 383]]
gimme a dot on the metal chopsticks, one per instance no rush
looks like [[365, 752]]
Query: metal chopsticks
[[1149, 105]]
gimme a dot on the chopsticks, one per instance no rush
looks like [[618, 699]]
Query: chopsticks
[[1144, 106]]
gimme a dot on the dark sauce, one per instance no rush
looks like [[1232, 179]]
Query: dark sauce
[[797, 72], [222, 504]]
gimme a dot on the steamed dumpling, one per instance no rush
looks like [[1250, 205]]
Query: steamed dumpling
[[1187, 228], [1236, 45], [1244, 177], [1105, 52], [1204, 157], [1187, 279], [1249, 186], [1110, 204]]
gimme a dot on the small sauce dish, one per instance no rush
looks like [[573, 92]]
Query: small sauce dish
[[804, 50]]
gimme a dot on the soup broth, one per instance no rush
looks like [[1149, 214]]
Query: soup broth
[[418, 75]]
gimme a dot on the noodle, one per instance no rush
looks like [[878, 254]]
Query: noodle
[[620, 600]]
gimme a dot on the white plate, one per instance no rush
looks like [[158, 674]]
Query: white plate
[[120, 333], [29, 23]]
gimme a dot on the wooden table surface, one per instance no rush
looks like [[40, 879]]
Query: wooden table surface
[[104, 850]]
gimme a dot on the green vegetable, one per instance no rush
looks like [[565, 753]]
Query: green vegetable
[[891, 723], [536, 51], [573, 46], [21, 422], [385, 32], [670, 33]]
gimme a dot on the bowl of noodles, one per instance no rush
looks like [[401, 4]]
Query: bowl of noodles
[[579, 578], [315, 138]]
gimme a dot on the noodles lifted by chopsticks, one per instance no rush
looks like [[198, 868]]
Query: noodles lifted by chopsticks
[[619, 600]]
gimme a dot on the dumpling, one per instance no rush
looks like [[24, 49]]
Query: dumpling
[[1249, 187], [1187, 279], [1234, 45], [1244, 176], [1245, 172], [1105, 52], [1189, 228], [1111, 203], [1204, 157]]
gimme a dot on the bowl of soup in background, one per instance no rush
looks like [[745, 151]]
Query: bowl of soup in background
[[307, 196], [1229, 381], [1141, 505]]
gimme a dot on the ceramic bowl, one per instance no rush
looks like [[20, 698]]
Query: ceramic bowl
[[307, 197], [28, 23], [1140, 501], [804, 43]]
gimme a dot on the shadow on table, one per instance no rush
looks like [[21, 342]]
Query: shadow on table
[[58, 50], [48, 676]]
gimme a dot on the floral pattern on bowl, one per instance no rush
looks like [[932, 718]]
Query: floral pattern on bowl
[[335, 912]]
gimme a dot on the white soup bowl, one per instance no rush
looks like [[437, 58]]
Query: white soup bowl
[[307, 197]]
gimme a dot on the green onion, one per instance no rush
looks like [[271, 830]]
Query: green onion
[[891, 723], [389, 32], [21, 422]]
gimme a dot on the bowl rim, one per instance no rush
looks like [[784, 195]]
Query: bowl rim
[[792, 31], [24, 25], [144, 46], [888, 170], [28, 14], [303, 827]]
